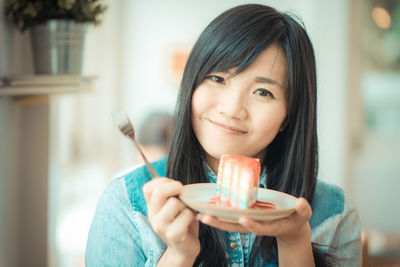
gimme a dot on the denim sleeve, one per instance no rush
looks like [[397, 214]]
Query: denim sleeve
[[346, 242], [113, 238]]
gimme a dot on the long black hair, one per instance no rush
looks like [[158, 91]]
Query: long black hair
[[235, 39]]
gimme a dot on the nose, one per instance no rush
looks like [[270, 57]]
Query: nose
[[233, 105]]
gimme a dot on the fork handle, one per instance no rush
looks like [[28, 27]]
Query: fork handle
[[152, 171]]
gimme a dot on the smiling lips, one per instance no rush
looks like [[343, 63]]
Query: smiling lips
[[227, 128]]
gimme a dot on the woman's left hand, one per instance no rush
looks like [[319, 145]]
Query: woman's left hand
[[290, 230]]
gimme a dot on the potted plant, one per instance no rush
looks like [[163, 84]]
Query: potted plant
[[58, 29]]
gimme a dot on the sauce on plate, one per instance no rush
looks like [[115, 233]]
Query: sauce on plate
[[258, 205]]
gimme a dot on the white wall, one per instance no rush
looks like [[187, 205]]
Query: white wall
[[330, 33]]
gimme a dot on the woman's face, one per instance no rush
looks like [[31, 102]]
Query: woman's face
[[241, 114]]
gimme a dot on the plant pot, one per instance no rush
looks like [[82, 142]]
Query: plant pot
[[57, 47]]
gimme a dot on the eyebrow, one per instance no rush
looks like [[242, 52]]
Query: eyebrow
[[258, 79], [268, 80]]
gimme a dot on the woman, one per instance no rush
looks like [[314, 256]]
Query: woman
[[249, 88]]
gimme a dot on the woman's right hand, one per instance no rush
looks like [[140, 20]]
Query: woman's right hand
[[172, 220]]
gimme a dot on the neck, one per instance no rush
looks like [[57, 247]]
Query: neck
[[213, 163]]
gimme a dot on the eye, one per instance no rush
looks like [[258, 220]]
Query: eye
[[215, 78], [263, 92]]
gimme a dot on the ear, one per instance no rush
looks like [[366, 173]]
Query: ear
[[283, 125]]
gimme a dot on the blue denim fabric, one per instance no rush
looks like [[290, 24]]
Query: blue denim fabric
[[121, 235]]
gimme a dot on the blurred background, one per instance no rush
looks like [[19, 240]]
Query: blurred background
[[59, 152]]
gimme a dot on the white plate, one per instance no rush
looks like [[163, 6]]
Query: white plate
[[196, 196]]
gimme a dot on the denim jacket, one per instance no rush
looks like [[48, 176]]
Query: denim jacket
[[121, 235]]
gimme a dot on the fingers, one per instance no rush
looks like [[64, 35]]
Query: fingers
[[279, 227], [149, 186], [175, 228], [170, 218], [170, 210], [282, 226], [158, 191], [179, 227], [194, 227], [303, 209], [255, 227], [216, 223], [244, 225]]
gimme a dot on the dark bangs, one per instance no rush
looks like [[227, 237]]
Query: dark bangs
[[235, 39]]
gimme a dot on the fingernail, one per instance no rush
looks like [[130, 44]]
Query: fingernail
[[198, 217]]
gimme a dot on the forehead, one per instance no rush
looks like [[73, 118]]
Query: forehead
[[270, 64], [273, 59]]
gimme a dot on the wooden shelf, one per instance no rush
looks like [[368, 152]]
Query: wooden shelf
[[44, 85]]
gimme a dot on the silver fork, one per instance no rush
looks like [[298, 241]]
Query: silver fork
[[124, 124]]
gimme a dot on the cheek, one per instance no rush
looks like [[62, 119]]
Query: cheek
[[195, 102], [197, 109], [200, 101], [269, 122]]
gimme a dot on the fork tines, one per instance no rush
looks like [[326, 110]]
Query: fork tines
[[123, 122], [128, 129]]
